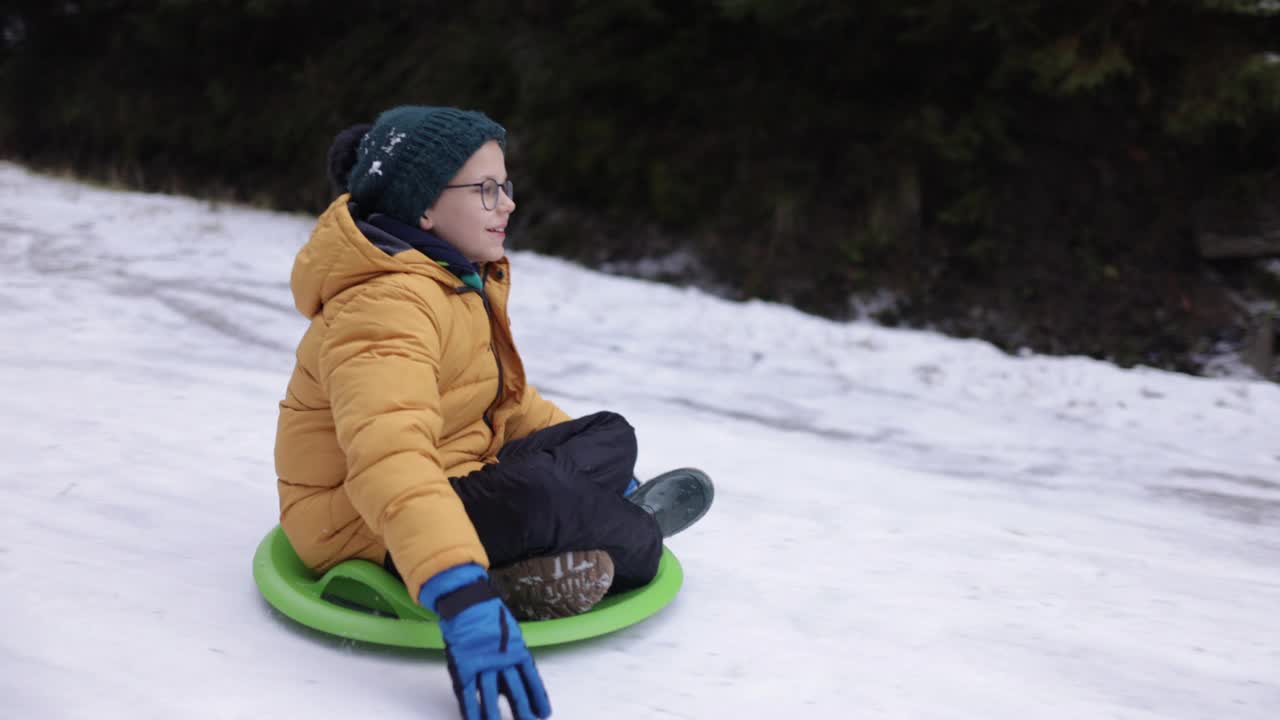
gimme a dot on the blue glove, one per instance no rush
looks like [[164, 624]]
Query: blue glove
[[485, 648]]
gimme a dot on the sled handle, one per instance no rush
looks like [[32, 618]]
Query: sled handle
[[366, 583]]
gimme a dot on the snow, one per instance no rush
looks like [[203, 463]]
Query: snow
[[907, 525]]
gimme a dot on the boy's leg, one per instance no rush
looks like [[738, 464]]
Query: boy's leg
[[537, 505], [556, 491], [599, 449]]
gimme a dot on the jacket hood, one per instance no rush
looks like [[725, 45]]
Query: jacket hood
[[338, 257]]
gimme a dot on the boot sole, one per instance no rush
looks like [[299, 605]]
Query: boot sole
[[555, 586]]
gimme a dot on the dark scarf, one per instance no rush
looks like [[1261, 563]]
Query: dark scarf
[[392, 236]]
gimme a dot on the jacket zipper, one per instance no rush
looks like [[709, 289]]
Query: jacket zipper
[[497, 359]]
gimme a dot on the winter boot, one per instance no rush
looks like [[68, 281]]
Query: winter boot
[[556, 586], [676, 499]]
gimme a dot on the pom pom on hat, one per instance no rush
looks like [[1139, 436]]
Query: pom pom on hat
[[342, 155]]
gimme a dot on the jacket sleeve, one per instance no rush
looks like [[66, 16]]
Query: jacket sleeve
[[379, 364], [533, 414]]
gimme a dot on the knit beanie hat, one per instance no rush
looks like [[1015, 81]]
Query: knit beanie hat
[[403, 161]]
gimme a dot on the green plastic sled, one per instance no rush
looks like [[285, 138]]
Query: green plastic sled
[[359, 600]]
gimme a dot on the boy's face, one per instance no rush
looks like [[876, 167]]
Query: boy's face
[[460, 218]]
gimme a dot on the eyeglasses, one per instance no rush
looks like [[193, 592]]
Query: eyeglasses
[[489, 191]]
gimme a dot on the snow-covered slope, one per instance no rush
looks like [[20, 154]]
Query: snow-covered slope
[[907, 526]]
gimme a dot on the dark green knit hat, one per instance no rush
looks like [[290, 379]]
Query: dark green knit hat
[[411, 153]]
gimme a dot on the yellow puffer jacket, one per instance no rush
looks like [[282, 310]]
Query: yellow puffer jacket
[[395, 391]]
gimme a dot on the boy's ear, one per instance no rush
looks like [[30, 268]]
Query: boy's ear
[[425, 222]]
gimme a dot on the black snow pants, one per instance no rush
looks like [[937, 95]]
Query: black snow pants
[[560, 489]]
